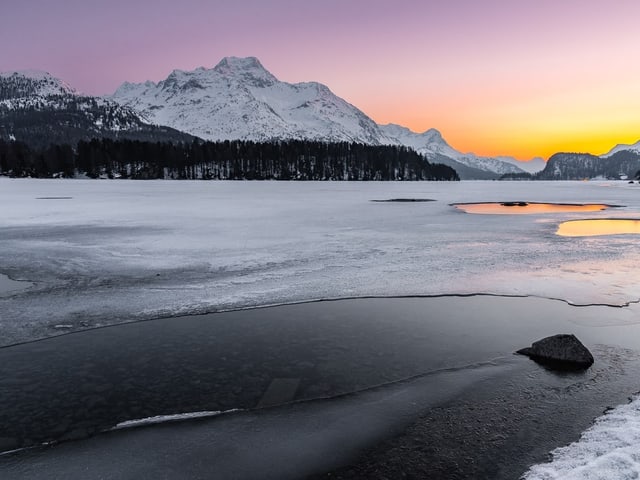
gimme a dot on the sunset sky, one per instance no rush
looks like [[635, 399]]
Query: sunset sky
[[496, 77]]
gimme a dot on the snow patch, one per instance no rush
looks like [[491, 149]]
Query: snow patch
[[608, 449]]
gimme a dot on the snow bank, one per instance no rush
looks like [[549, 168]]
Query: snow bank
[[609, 449]]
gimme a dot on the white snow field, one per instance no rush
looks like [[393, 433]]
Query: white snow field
[[101, 252]]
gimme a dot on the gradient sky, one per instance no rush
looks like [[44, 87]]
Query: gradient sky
[[522, 78]]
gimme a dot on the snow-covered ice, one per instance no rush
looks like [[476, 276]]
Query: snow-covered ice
[[607, 450], [9, 286], [123, 250]]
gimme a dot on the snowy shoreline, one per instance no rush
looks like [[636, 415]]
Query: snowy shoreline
[[609, 446], [504, 428]]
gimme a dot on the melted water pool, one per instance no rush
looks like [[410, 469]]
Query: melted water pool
[[597, 227], [528, 208]]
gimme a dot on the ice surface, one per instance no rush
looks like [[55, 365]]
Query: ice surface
[[609, 449], [124, 250], [9, 286], [277, 443]]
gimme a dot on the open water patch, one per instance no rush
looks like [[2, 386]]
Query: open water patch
[[598, 227], [529, 208]]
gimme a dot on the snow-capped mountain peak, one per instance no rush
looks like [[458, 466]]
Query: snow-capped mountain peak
[[432, 145], [400, 132], [39, 109], [248, 70], [633, 147], [27, 83], [240, 99], [432, 135]]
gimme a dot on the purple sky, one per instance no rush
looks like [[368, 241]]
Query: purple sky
[[508, 76]]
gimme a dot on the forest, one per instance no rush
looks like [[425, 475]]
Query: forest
[[227, 160]]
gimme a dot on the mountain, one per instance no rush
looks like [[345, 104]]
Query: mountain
[[31, 83], [634, 147], [578, 166], [465, 172], [534, 165], [39, 109], [431, 144], [240, 99]]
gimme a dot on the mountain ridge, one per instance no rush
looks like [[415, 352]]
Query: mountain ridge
[[39, 109], [622, 164], [239, 99], [623, 147]]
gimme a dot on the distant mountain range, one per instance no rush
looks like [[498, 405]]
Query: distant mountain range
[[238, 99], [41, 110], [621, 164]]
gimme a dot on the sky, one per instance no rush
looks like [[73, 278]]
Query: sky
[[496, 77]]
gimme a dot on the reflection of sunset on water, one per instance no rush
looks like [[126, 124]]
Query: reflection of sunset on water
[[591, 228], [527, 208]]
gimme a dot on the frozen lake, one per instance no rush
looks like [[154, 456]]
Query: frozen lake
[[103, 252], [77, 254]]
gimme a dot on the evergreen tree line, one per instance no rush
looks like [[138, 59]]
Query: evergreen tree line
[[228, 160]]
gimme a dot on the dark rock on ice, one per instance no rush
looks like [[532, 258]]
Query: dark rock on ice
[[563, 352], [514, 204]]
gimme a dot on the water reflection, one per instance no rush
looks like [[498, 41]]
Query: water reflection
[[528, 208], [605, 226]]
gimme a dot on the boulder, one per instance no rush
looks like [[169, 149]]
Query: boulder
[[563, 352]]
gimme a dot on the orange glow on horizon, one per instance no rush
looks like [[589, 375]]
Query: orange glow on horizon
[[527, 141], [523, 118]]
